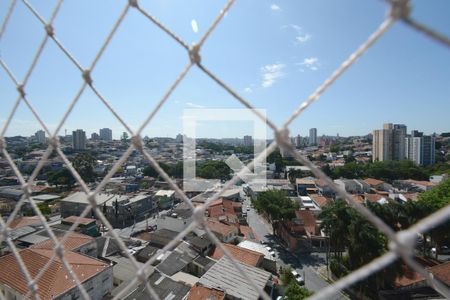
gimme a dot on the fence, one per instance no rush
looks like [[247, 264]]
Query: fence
[[401, 244]]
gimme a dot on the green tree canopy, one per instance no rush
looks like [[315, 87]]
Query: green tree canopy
[[84, 163]]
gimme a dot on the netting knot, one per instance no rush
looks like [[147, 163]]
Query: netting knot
[[194, 54], [404, 243], [32, 286], [5, 233], [198, 216], [400, 9], [91, 199], [282, 137], [133, 3], [140, 274], [21, 90], [137, 143], [87, 76], [49, 29], [26, 190], [53, 142], [59, 250]]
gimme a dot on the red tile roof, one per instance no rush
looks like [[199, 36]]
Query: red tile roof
[[218, 227], [373, 182], [56, 280], [73, 242], [24, 221], [82, 221], [199, 292], [441, 272], [243, 255], [248, 233], [320, 200], [373, 197]]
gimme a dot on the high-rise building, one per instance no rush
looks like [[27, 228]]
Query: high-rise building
[[420, 148], [248, 140], [79, 139], [95, 136], [106, 134], [389, 142], [313, 136], [40, 136], [298, 141]]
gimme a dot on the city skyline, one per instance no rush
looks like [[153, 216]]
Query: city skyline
[[395, 81]]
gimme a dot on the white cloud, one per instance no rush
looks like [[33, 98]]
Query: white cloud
[[311, 63], [248, 90], [271, 73], [194, 25], [303, 38], [193, 105], [275, 7]]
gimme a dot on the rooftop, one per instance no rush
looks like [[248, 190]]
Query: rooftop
[[243, 255], [200, 292], [56, 280], [227, 277]]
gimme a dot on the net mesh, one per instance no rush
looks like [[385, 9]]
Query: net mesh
[[401, 244]]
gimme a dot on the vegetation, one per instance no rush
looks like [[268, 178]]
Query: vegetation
[[276, 205], [173, 170], [293, 290], [214, 170], [61, 177], [220, 148], [296, 292], [349, 231], [84, 163], [383, 170]]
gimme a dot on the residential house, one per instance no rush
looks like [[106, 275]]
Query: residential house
[[200, 292], [225, 233], [353, 186], [225, 276], [120, 210], [56, 282]]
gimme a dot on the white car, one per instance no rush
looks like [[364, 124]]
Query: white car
[[268, 248], [298, 277], [272, 253]]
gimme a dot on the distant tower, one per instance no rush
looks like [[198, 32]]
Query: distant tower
[[40, 137], [248, 140], [79, 139], [313, 136], [106, 134]]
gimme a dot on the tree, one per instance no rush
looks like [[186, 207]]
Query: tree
[[84, 163], [61, 177], [214, 170], [276, 205], [296, 292]]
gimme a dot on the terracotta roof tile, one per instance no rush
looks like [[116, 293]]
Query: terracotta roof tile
[[218, 227], [442, 272], [373, 181], [56, 280], [82, 221], [24, 221], [243, 255], [73, 242], [199, 292], [320, 200]]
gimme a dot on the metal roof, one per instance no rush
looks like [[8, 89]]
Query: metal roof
[[225, 276]]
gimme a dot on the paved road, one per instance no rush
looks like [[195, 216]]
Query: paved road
[[305, 265]]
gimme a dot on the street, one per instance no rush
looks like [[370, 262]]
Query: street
[[305, 265]]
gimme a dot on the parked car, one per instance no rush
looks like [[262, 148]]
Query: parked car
[[272, 253], [298, 277]]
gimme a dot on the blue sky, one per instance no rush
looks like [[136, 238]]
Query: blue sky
[[274, 53]]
